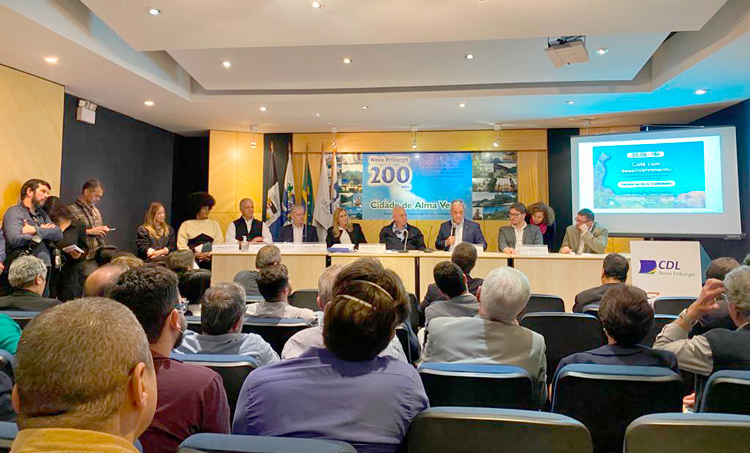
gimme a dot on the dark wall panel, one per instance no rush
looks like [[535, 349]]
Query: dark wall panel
[[190, 174], [134, 161], [558, 143]]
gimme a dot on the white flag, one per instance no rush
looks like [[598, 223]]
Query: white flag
[[323, 214], [289, 195], [335, 199]]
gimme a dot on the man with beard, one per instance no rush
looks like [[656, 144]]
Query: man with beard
[[192, 398], [27, 227], [85, 211]]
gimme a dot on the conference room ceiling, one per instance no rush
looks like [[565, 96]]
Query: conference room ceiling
[[408, 61]]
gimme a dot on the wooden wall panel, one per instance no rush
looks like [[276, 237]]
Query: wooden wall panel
[[510, 140], [31, 124], [234, 172], [533, 181]]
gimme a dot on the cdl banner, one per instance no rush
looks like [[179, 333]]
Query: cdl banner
[[423, 183], [664, 268]]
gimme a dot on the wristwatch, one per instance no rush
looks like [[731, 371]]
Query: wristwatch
[[684, 316]]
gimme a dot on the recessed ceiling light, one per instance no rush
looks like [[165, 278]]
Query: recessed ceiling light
[[149, 103], [700, 91], [469, 56], [316, 5], [263, 109], [347, 60], [365, 107], [154, 11], [226, 64], [52, 60], [462, 105], [570, 102], [318, 115], [602, 51]]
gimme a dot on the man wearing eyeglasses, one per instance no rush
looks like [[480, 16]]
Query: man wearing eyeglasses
[[192, 398], [512, 238]]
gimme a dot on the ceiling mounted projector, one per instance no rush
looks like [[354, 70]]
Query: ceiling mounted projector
[[567, 50]]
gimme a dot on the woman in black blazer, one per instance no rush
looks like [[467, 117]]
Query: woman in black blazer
[[344, 231], [155, 239]]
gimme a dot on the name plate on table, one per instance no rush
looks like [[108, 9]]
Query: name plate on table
[[291, 247], [372, 248], [534, 250], [480, 248], [225, 248], [341, 248]]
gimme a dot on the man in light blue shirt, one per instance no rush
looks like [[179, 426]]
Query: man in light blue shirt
[[222, 314]]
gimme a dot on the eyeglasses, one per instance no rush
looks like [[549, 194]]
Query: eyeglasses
[[517, 214], [182, 306]]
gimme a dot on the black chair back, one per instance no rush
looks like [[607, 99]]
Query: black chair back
[[659, 322], [544, 303], [305, 298], [230, 443], [728, 392], [233, 370], [21, 317], [274, 330], [565, 334], [470, 385], [606, 398], [416, 316], [475, 430], [672, 305]]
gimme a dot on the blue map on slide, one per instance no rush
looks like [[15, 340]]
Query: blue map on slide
[[650, 176]]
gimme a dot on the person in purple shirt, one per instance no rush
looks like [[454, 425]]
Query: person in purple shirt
[[345, 392], [627, 317]]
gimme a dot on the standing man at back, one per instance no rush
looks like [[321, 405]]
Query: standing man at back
[[27, 227], [247, 226], [192, 398], [85, 211]]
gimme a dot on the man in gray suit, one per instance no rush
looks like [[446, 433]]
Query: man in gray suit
[[586, 236], [513, 237]]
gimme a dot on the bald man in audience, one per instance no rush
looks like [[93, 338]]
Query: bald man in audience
[[192, 398], [85, 380], [399, 235], [102, 280], [313, 337]]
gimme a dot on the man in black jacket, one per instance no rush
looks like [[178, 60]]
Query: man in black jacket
[[465, 256], [298, 231], [399, 235], [614, 272], [27, 275]]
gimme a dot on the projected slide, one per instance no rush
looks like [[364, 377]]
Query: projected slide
[[657, 176], [653, 176]]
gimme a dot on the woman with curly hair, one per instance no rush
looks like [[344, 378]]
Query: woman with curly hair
[[543, 216], [195, 234]]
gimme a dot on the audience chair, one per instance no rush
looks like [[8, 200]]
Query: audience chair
[[672, 305], [194, 323], [606, 398], [687, 433], [228, 443], [544, 303], [409, 342], [8, 431], [21, 317], [193, 283], [305, 298], [475, 385], [275, 331], [251, 299], [659, 322], [565, 334], [728, 392], [416, 316], [472, 430], [232, 368]]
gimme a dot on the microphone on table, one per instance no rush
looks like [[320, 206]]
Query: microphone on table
[[406, 238], [429, 234]]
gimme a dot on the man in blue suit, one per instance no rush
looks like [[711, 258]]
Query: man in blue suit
[[298, 231], [459, 229]]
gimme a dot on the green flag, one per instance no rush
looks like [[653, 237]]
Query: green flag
[[307, 191]]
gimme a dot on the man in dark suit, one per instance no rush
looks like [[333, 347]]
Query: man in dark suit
[[614, 272], [399, 235], [298, 231], [27, 275], [465, 257], [508, 236], [459, 229]]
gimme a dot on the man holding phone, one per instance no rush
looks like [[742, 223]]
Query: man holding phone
[[85, 211]]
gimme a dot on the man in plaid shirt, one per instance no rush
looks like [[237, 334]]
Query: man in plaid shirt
[[84, 210]]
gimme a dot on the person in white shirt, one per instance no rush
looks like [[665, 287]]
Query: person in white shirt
[[246, 226], [274, 286], [513, 237]]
